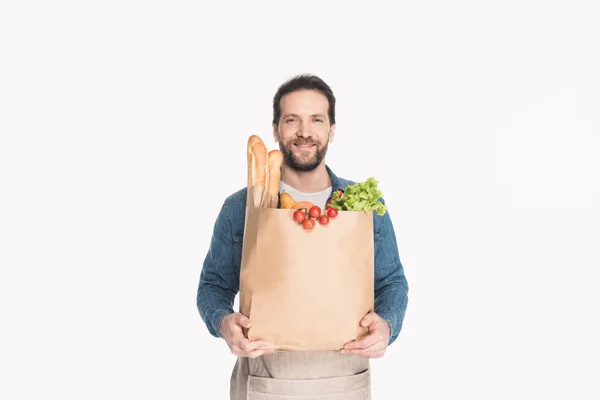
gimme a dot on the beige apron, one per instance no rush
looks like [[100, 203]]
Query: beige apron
[[301, 375]]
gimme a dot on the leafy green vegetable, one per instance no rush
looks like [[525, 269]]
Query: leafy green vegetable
[[362, 196]]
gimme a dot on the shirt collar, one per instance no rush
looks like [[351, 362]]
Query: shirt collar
[[335, 182], [335, 185]]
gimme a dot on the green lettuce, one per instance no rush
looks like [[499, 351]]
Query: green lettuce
[[362, 196]]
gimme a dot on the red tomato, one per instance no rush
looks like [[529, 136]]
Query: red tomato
[[332, 212], [299, 215], [340, 193], [308, 223], [323, 219], [315, 211]]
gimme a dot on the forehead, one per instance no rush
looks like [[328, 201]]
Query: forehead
[[304, 102]]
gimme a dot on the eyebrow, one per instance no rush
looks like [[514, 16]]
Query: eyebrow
[[296, 115]]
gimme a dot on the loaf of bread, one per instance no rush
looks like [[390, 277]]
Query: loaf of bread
[[257, 170], [273, 176]]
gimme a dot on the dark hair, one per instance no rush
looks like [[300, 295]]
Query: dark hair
[[303, 82]]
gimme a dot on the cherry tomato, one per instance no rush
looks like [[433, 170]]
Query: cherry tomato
[[299, 215], [330, 201], [340, 193], [315, 211], [308, 223], [332, 212], [323, 219]]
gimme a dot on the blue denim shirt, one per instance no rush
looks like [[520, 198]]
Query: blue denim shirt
[[219, 279]]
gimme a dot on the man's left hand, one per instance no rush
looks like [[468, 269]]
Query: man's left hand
[[375, 343]]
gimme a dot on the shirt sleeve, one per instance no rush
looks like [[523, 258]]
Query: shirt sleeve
[[391, 286], [219, 279]]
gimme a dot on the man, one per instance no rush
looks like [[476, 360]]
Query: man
[[304, 126]]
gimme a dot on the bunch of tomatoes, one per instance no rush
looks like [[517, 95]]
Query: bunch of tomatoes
[[307, 217]]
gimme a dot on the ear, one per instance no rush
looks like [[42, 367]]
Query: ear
[[331, 133], [275, 134]]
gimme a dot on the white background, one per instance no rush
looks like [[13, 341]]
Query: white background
[[123, 128]]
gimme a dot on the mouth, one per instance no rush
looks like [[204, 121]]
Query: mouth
[[304, 145]]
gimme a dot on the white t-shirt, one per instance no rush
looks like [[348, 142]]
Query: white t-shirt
[[317, 198]]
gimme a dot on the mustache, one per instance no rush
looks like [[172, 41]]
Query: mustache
[[302, 141]]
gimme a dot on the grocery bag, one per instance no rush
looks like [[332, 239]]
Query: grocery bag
[[306, 289]]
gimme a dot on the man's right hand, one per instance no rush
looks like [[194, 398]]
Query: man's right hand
[[231, 331]]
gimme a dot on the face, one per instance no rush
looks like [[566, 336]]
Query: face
[[304, 129]]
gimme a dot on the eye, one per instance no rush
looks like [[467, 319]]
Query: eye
[[288, 120], [318, 120]]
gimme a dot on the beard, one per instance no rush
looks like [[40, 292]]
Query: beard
[[303, 160]]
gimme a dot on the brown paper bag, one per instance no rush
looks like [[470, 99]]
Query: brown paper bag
[[306, 289]]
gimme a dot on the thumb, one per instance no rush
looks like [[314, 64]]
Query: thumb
[[368, 319], [244, 321]]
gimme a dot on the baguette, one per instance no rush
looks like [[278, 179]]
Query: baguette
[[274, 175], [257, 170]]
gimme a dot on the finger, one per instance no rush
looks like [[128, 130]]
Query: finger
[[371, 354], [258, 353], [375, 351], [252, 348], [239, 340], [263, 344], [250, 351], [374, 346], [367, 341], [247, 345], [251, 345]]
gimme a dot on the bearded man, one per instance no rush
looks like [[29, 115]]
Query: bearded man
[[304, 126]]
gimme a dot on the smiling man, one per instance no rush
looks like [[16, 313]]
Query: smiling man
[[304, 126]]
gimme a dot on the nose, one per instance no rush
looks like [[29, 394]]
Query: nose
[[304, 130]]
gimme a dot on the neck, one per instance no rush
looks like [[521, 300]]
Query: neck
[[306, 181]]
